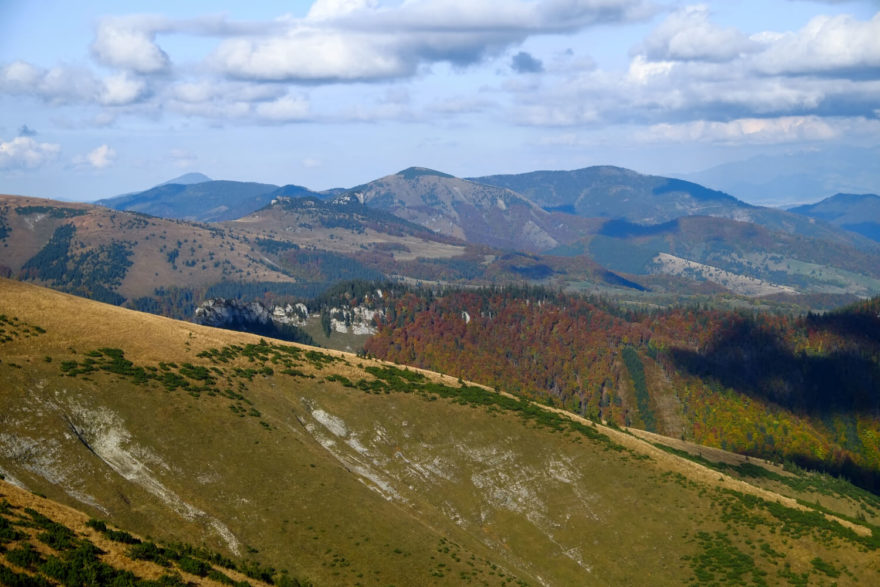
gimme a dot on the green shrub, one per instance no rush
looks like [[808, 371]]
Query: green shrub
[[24, 556]]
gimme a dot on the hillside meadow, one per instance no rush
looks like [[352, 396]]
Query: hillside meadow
[[339, 469]]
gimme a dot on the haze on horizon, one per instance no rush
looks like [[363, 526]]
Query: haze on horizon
[[97, 101]]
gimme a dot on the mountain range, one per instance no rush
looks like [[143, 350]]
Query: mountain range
[[196, 197], [470, 208], [563, 228]]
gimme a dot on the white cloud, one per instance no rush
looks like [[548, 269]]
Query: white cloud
[[354, 40], [20, 76], [194, 92], [642, 71], [327, 9], [834, 46], [121, 89], [25, 152], [837, 46], [688, 34], [58, 85], [99, 158], [308, 54], [824, 71], [786, 129], [689, 68], [286, 109], [129, 43]]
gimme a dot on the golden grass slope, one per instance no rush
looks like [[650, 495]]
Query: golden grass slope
[[18, 508], [349, 471], [164, 252]]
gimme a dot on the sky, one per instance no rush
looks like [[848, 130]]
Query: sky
[[99, 98]]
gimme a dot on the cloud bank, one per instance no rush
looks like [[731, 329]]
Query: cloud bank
[[689, 77]]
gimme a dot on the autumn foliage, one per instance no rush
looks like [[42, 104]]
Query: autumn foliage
[[805, 389]]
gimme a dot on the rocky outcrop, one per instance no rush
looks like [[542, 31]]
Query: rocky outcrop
[[277, 321], [357, 320], [284, 321], [221, 312]]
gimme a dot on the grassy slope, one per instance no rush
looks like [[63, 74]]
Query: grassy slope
[[163, 252], [26, 517], [343, 485]]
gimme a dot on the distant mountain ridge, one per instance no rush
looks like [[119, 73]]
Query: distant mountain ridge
[[426, 224], [859, 213], [796, 178], [209, 201], [198, 198], [188, 179], [744, 257], [623, 194], [464, 209], [615, 192], [533, 211]]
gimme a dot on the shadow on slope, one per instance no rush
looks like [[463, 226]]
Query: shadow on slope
[[839, 377]]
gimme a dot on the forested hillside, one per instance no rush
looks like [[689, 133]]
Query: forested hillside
[[797, 389]]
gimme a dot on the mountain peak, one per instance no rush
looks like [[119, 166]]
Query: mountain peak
[[853, 198], [187, 179], [414, 172]]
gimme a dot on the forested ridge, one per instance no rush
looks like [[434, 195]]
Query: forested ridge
[[803, 389]]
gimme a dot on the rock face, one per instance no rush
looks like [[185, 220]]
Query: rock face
[[357, 320], [282, 322], [224, 313]]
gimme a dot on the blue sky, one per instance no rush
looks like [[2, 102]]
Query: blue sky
[[100, 98]]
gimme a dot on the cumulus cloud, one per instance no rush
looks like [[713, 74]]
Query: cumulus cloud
[[129, 43], [327, 9], [784, 129], [689, 70], [688, 34], [834, 46], [58, 85], [26, 153], [358, 40], [287, 109], [193, 92], [98, 158], [839, 46], [524, 62], [122, 89], [670, 92], [312, 55], [770, 87], [67, 85]]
